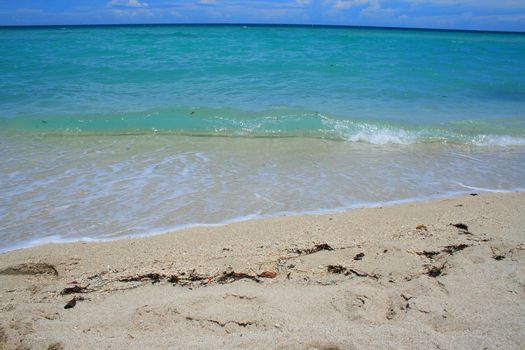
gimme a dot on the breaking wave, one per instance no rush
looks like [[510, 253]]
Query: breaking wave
[[227, 123]]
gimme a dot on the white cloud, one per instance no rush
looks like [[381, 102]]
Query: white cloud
[[513, 18], [127, 3], [30, 11], [175, 13], [133, 13], [475, 3], [303, 2], [346, 4]]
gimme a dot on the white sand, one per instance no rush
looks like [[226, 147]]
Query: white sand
[[386, 300]]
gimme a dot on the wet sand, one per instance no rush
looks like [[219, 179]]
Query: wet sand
[[397, 277]]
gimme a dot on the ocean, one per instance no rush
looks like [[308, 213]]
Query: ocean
[[116, 131]]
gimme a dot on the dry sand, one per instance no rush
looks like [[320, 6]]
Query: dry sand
[[436, 287]]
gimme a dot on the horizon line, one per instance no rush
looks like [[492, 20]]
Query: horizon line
[[240, 24]]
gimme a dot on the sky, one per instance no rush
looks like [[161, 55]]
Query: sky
[[506, 15]]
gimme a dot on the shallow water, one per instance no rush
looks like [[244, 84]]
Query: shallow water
[[108, 187]]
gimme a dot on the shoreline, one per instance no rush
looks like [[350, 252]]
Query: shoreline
[[439, 273], [32, 243]]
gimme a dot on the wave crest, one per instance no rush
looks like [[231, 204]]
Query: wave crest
[[370, 133], [498, 140], [281, 124]]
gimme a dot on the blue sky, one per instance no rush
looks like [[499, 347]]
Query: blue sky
[[454, 14]]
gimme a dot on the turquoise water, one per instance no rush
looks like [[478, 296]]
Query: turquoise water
[[309, 119]]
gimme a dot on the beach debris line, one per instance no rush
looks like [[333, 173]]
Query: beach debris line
[[359, 256], [173, 279], [154, 277], [347, 271], [453, 248], [315, 249], [336, 269], [195, 277], [450, 249], [189, 278], [232, 276], [435, 271], [428, 253]]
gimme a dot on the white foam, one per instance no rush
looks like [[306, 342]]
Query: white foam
[[490, 190], [498, 140], [158, 183], [59, 240], [383, 137], [369, 133]]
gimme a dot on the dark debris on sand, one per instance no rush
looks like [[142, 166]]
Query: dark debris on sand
[[463, 228], [347, 271], [453, 248], [429, 253], [232, 276], [74, 290], [73, 302], [435, 271], [359, 256], [315, 249]]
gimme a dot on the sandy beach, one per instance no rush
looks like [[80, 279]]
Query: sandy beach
[[441, 274]]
